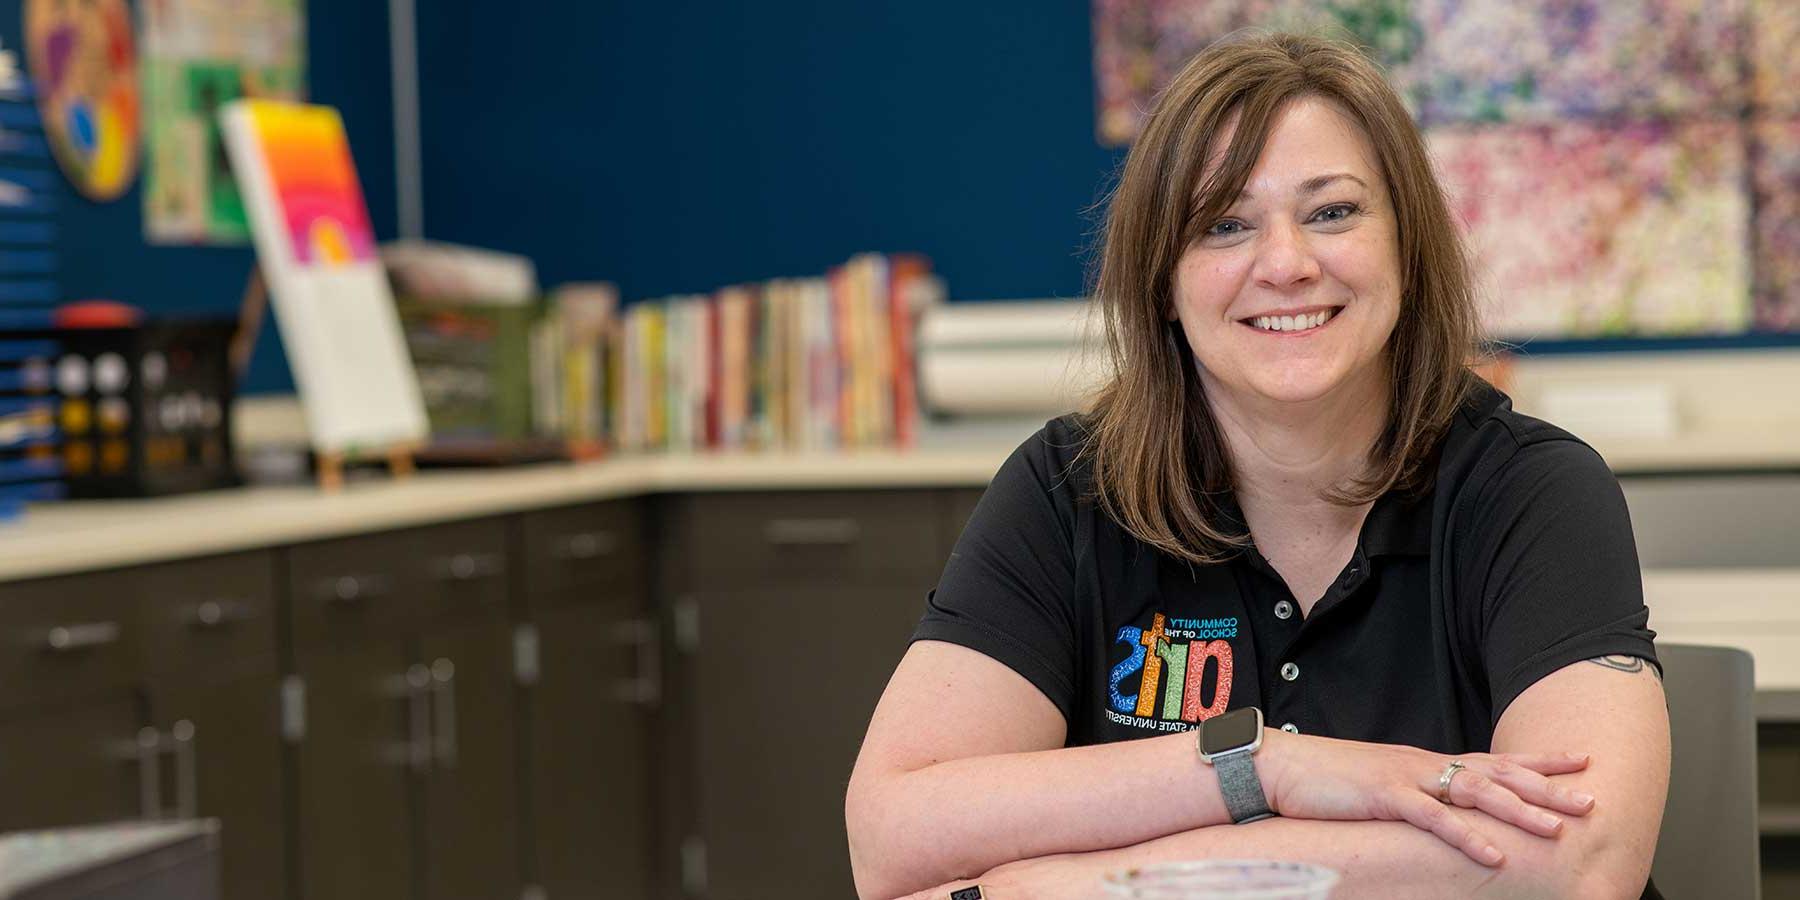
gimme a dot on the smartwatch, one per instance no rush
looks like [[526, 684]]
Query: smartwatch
[[1229, 743]]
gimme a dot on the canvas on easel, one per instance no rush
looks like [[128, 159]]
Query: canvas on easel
[[330, 293]]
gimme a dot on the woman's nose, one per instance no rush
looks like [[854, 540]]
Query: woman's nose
[[1284, 258]]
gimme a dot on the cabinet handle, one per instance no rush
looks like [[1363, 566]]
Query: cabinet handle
[[187, 774], [811, 532], [584, 545], [217, 613], [468, 566], [149, 763], [645, 689], [351, 588], [69, 638], [418, 718], [443, 697]]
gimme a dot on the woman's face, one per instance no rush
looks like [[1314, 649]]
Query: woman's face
[[1291, 294]]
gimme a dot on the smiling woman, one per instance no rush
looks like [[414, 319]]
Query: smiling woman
[[1295, 523]]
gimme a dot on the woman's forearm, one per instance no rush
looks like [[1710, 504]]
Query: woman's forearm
[[911, 830], [1388, 860]]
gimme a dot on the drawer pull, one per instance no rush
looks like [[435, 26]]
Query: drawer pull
[[350, 588], [645, 689], [187, 798], [69, 638], [811, 532], [585, 545], [217, 613], [469, 566]]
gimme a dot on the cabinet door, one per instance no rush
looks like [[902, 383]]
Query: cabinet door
[[223, 737], [588, 746], [470, 811], [367, 731], [785, 682], [72, 767]]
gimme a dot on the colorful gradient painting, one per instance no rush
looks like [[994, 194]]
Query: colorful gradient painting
[[1621, 167], [321, 202]]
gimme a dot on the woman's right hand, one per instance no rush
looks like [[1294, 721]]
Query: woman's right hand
[[1311, 777]]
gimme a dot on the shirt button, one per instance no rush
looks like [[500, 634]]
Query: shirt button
[[1290, 728], [1283, 609], [1289, 672]]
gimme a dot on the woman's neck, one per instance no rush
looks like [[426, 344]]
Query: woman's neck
[[1286, 456]]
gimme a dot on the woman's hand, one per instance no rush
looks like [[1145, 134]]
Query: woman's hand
[[1315, 777]]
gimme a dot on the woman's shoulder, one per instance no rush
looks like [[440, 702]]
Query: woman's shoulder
[[1052, 460], [1496, 450]]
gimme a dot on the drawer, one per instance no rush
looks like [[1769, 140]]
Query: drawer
[[806, 539], [583, 554], [68, 637], [206, 614], [466, 568], [350, 589]]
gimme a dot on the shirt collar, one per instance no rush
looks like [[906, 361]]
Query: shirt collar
[[1397, 525]]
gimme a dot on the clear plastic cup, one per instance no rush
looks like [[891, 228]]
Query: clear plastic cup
[[1218, 879]]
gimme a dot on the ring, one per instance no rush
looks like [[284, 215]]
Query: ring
[[1444, 780], [973, 892]]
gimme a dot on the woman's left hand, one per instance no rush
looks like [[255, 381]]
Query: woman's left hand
[[1049, 878]]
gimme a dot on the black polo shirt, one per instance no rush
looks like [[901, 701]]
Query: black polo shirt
[[1518, 561]]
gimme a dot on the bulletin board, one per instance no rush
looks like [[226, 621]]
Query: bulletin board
[[1621, 169]]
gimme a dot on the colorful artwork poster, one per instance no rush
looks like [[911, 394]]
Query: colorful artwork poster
[[1581, 229], [1577, 133], [198, 55], [1777, 183], [316, 191], [84, 68], [1775, 61]]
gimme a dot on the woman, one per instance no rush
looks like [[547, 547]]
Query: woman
[[1292, 497]]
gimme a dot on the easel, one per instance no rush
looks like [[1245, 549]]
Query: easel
[[330, 464]]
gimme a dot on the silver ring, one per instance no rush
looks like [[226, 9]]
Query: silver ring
[[1444, 780]]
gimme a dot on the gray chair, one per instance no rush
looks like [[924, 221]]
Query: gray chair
[[1709, 845]]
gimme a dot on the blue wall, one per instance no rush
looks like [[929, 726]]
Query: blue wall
[[101, 245], [686, 145]]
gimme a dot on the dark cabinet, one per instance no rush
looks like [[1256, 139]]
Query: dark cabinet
[[590, 679], [210, 631], [407, 768], [74, 766], [790, 613]]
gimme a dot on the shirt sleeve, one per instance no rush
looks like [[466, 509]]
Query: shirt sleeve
[[1007, 589], [1554, 554]]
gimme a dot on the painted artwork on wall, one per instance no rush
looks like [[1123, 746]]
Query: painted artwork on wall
[[199, 55], [1621, 167], [83, 67]]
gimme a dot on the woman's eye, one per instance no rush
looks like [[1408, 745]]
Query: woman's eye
[[1225, 228], [1336, 212]]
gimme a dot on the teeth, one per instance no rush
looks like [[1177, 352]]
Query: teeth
[[1292, 323]]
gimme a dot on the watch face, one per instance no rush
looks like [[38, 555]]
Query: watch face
[[1234, 729]]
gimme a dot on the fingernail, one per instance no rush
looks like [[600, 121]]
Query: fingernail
[[1491, 855], [1583, 799], [1578, 756], [1551, 822]]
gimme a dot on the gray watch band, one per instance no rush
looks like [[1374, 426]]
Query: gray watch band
[[1242, 789]]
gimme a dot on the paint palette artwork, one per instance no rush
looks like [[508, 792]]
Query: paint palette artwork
[[1588, 230], [1777, 186], [84, 66], [1775, 65]]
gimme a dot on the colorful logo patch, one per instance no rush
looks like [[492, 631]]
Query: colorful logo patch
[[1171, 660]]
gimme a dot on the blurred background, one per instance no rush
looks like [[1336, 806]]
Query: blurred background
[[450, 450]]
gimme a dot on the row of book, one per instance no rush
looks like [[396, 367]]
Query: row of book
[[803, 364]]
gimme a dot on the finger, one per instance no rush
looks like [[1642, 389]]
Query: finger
[[1537, 789], [1429, 815], [1547, 763], [1470, 789]]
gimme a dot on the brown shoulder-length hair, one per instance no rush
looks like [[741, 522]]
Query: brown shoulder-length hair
[[1160, 461]]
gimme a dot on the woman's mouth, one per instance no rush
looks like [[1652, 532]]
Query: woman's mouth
[[1297, 323]]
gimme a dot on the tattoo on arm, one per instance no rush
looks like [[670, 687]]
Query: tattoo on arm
[[1632, 664]]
